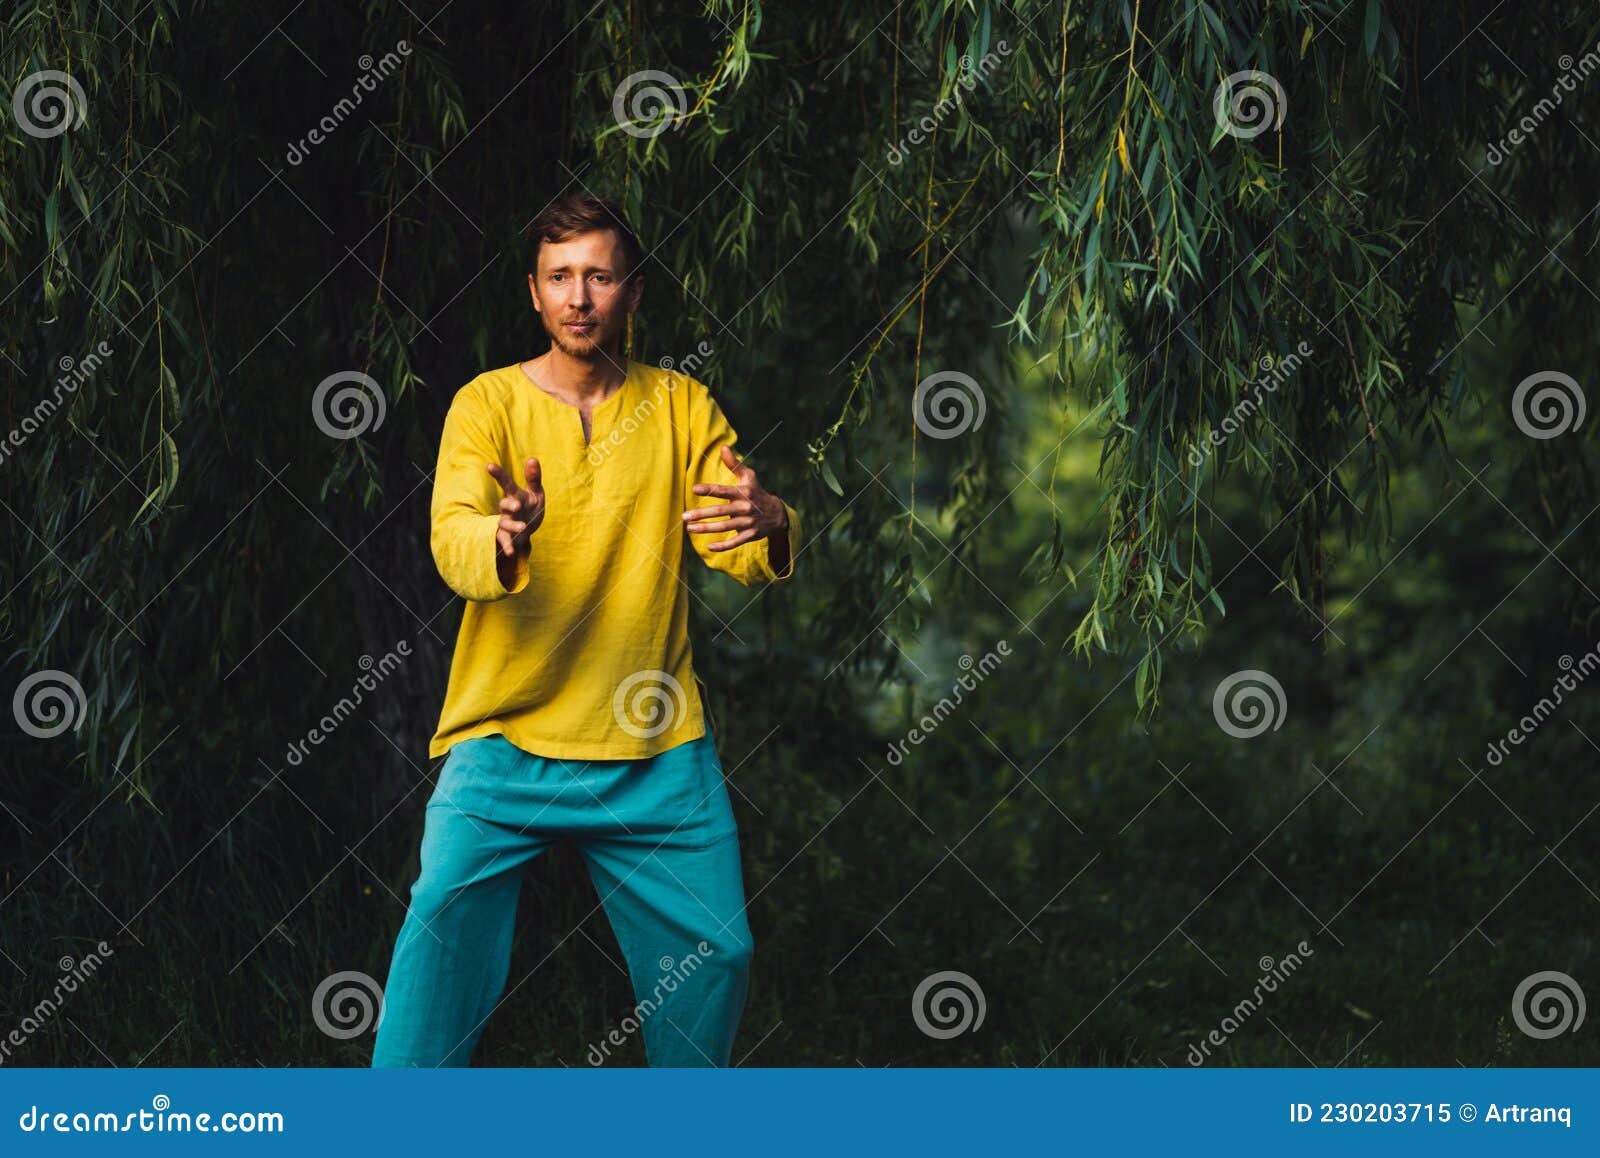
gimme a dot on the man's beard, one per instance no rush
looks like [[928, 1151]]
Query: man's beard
[[603, 343]]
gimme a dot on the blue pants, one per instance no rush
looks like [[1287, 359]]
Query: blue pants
[[659, 839]]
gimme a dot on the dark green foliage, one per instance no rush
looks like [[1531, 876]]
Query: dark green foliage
[[1077, 234]]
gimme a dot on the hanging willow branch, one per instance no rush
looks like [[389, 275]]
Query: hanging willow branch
[[825, 174]]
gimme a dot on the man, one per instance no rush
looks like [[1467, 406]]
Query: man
[[572, 709]]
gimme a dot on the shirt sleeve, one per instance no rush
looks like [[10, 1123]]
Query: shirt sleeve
[[709, 431], [465, 511]]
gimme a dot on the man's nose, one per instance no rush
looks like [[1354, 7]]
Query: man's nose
[[580, 292]]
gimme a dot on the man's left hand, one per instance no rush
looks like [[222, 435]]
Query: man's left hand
[[750, 510]]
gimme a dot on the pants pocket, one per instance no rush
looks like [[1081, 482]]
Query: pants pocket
[[470, 779], [707, 810]]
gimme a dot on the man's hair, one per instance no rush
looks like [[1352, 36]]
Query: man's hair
[[576, 213]]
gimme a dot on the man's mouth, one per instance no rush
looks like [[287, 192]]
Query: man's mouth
[[580, 327]]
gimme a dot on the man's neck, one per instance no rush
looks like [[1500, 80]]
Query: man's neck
[[583, 380]]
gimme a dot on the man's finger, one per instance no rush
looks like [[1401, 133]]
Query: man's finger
[[534, 474], [733, 524], [718, 489], [501, 477], [738, 540], [697, 513], [745, 472]]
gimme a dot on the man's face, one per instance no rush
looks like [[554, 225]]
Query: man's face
[[580, 296]]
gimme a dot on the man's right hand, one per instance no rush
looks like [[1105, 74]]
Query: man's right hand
[[521, 510]]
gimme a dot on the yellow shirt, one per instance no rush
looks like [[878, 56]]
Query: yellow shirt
[[587, 657]]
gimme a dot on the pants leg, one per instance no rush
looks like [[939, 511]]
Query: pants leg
[[674, 894], [678, 915], [453, 953]]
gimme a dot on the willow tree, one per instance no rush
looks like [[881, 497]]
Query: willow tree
[[1254, 238]]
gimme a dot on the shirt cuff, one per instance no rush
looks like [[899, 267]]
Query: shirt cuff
[[764, 556], [520, 580]]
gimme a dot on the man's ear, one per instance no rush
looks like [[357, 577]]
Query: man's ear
[[533, 293]]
